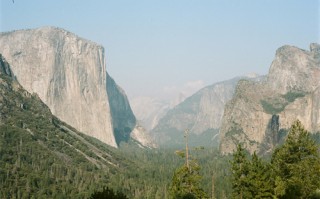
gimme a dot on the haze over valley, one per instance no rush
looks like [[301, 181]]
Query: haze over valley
[[143, 99]]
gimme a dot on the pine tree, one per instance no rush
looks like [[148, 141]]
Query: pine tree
[[240, 171], [260, 181], [186, 182], [186, 179], [296, 165]]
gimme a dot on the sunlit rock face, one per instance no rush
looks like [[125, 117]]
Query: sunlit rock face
[[69, 74], [260, 113]]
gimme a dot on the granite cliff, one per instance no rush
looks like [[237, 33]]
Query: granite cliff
[[260, 113], [69, 74], [201, 113]]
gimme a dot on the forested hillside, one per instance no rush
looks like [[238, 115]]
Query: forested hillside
[[43, 157]]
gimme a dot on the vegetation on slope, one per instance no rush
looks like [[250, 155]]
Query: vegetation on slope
[[40, 155], [293, 172], [275, 105]]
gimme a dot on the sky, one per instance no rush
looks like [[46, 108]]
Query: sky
[[159, 47]]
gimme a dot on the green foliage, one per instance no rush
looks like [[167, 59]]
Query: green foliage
[[293, 95], [272, 107], [107, 193], [294, 171], [277, 104], [42, 157], [174, 138], [260, 178], [297, 165], [39, 157], [240, 171], [186, 179], [186, 182]]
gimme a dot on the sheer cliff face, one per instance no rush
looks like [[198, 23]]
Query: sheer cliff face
[[260, 113], [123, 119], [68, 74]]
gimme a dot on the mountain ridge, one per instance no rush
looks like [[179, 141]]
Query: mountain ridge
[[201, 113], [260, 113]]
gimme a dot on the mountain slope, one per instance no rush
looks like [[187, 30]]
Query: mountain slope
[[68, 73], [201, 113], [40, 155], [260, 113]]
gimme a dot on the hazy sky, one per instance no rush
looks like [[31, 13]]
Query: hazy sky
[[154, 47]]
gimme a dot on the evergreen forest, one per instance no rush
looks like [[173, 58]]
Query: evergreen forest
[[42, 157]]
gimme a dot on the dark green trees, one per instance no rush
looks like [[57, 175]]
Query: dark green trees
[[250, 178], [240, 170], [186, 182], [260, 178], [294, 171], [297, 165], [107, 193]]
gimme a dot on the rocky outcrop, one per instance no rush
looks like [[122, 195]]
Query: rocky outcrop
[[201, 113], [69, 74], [142, 137], [260, 113]]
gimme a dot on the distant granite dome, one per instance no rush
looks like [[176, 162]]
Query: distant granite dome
[[260, 113], [69, 74]]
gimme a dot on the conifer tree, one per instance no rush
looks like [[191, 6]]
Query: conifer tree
[[260, 181], [186, 179], [240, 170], [296, 165]]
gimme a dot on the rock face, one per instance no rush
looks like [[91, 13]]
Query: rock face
[[260, 113], [69, 74], [124, 121], [142, 136], [201, 113]]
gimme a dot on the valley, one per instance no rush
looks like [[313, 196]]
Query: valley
[[155, 107]]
